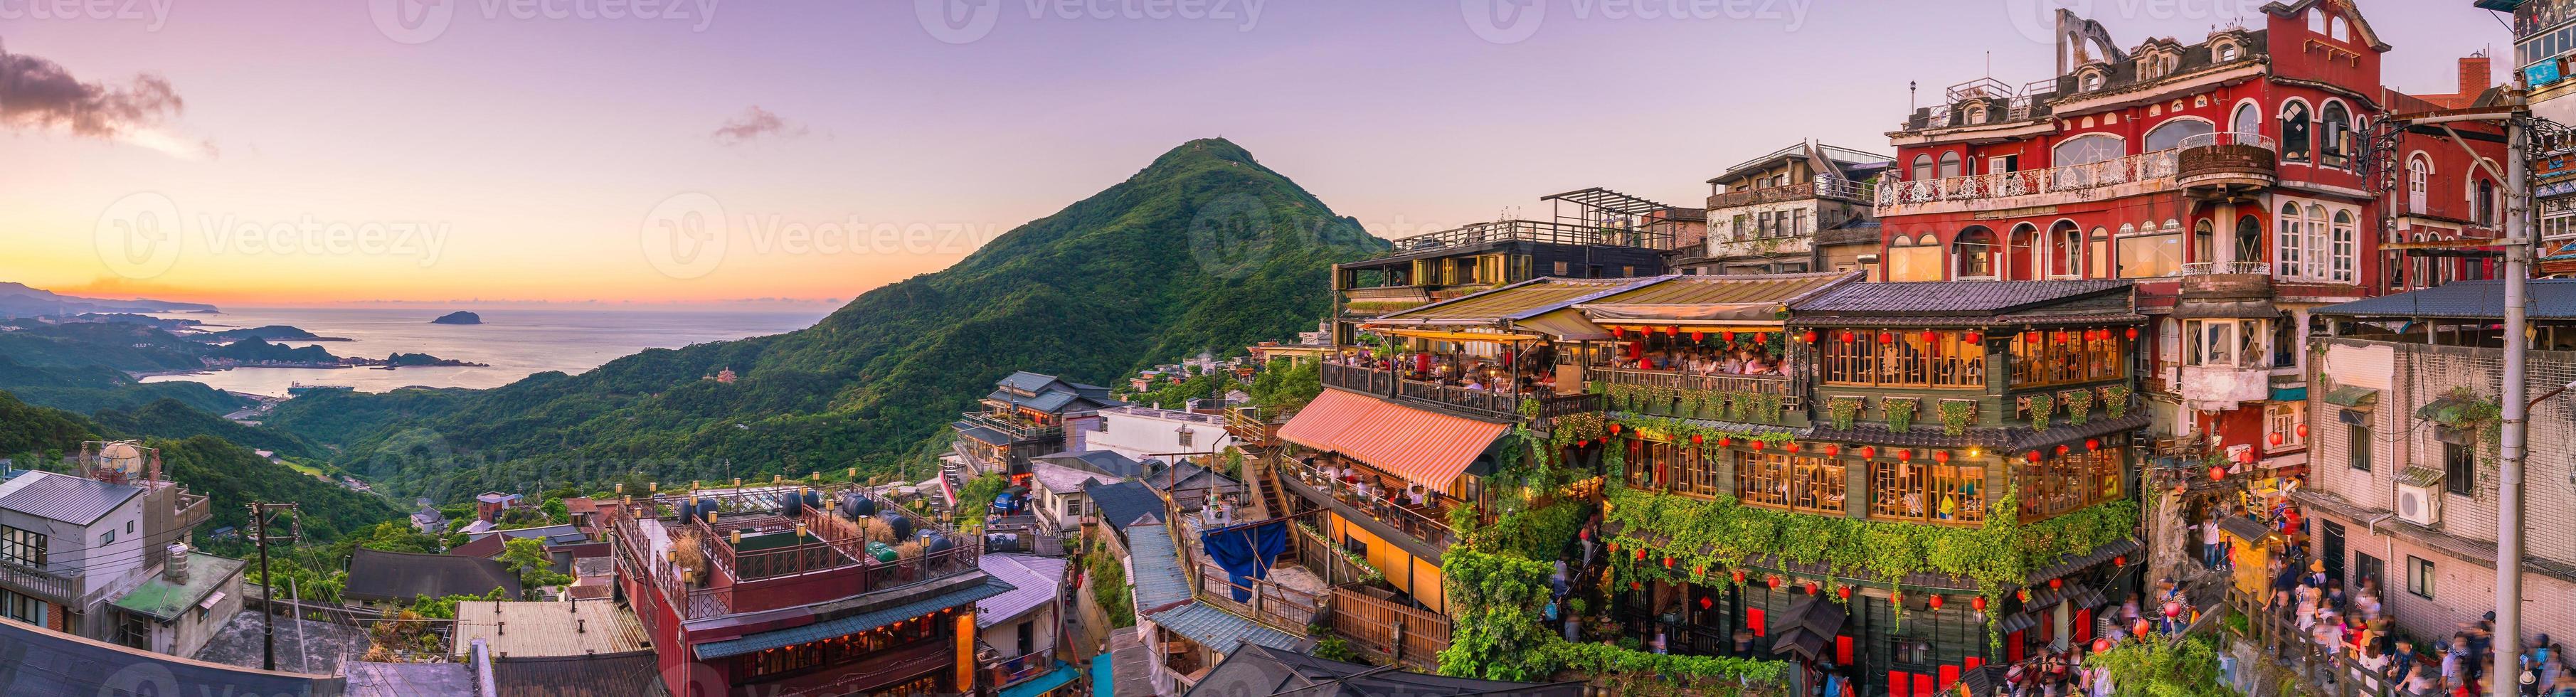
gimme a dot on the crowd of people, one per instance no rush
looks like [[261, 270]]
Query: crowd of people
[[1530, 374], [1697, 359]]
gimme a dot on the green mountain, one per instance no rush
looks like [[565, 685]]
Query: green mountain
[[1204, 249], [230, 474]]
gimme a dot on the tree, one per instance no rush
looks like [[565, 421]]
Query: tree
[[1286, 385], [2184, 668], [391, 536], [527, 557]]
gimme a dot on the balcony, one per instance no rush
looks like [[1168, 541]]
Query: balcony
[[1822, 187], [1017, 430], [1783, 387], [764, 552], [2223, 161], [1427, 523], [1254, 426], [56, 588], [1002, 672], [2223, 387], [1530, 231], [2227, 289], [1488, 402], [2126, 176]]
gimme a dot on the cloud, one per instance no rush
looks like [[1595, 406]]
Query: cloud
[[38, 94], [756, 123]]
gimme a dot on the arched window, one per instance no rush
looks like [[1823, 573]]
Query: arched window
[[2087, 149], [2294, 132], [2345, 246], [2312, 259], [2170, 134], [2092, 80], [2286, 245], [2486, 202], [2204, 242], [1976, 113], [1922, 167], [2021, 253], [2065, 249], [2339, 30], [2249, 239], [2419, 174], [2334, 127], [1974, 252], [2224, 52], [2249, 119], [1950, 164], [1910, 259], [2097, 254], [2316, 22], [2149, 252]]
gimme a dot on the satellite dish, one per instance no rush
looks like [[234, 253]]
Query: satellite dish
[[123, 459]]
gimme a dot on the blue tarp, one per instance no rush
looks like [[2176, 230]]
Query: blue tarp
[[1246, 551], [1063, 673]]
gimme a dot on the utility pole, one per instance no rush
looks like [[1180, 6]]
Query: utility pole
[[2504, 676], [268, 585]]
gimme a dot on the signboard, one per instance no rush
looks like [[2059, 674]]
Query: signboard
[[2543, 73]]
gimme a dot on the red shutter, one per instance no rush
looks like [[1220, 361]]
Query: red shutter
[[2083, 625], [2012, 647], [1975, 663], [1842, 650], [1949, 676], [1897, 680], [1923, 685], [1753, 616]]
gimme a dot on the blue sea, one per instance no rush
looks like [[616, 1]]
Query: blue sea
[[516, 342]]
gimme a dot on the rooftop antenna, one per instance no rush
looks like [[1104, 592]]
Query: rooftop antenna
[[1909, 95]]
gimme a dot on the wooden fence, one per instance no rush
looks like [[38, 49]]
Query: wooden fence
[[2274, 635], [1282, 608], [1374, 622]]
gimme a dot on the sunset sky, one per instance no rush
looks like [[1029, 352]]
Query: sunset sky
[[490, 151]]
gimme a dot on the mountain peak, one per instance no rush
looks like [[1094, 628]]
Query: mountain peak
[[1203, 151]]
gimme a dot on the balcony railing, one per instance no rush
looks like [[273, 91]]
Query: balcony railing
[[1506, 404], [2158, 165], [33, 582], [1782, 386], [1253, 426], [1002, 672], [1821, 187], [1532, 231], [2226, 268], [2227, 156], [1018, 430], [1427, 523], [770, 578]]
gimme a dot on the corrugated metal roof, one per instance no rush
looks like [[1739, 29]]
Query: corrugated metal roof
[[1222, 631], [1948, 297], [627, 675], [987, 435], [1034, 581], [380, 575], [63, 497], [1423, 447], [1516, 301], [548, 628], [2550, 298], [1157, 578], [852, 624], [1121, 504], [1705, 290]]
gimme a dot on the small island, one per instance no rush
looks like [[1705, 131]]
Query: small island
[[403, 360], [458, 317]]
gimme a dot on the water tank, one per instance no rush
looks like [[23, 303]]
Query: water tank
[[934, 543], [791, 505], [177, 565], [864, 506], [689, 511], [902, 526], [882, 551], [849, 505]]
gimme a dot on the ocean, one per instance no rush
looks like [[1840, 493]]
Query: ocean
[[515, 342]]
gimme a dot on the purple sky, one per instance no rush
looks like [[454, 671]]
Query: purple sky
[[531, 153]]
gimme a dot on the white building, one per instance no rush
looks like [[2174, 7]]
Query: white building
[[1146, 433], [68, 545]]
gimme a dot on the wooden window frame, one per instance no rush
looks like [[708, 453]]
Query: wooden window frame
[[1948, 362]]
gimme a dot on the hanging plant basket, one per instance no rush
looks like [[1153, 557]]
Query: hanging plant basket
[[1955, 415], [2115, 400], [2079, 406], [1841, 410], [1900, 411], [2039, 406]]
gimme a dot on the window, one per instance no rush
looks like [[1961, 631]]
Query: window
[[1761, 478], [2087, 149], [2418, 170], [1922, 167], [2292, 237], [1904, 359], [2204, 241], [2334, 149], [2294, 132], [2313, 259], [2152, 253], [2339, 31], [22, 547], [1560, 268], [1949, 164], [2419, 577], [2281, 420], [2062, 483], [2097, 257], [1908, 260], [2486, 202], [107, 539], [2345, 248], [2459, 469], [1974, 250], [2360, 448], [2225, 52], [2249, 119], [2226, 343], [2092, 80], [2066, 249], [2058, 357], [2170, 134], [1185, 436], [1906, 490], [1817, 485], [23, 608]]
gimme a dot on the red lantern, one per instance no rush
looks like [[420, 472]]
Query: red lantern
[[1614, 548], [1934, 601], [1739, 576], [1847, 336], [1886, 338], [1941, 456], [1904, 454], [2122, 560], [1695, 439], [1614, 428], [1811, 336], [1927, 336], [2033, 456], [1973, 337], [2276, 439], [1833, 450], [1811, 588], [1729, 334], [1701, 571], [1773, 581], [2217, 473], [2023, 594], [1977, 603], [2133, 332], [1757, 445], [1672, 331], [1705, 603], [2030, 337], [1641, 555], [1844, 592], [2056, 583], [2173, 608], [1668, 562], [1584, 535], [2303, 431], [2092, 444], [1761, 337], [1635, 586], [1791, 446], [2101, 645], [1723, 441], [2061, 450], [1695, 335], [2140, 629], [1868, 451], [1617, 332]]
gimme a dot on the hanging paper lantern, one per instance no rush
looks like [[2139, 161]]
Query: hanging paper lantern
[[1701, 571], [1868, 451], [1614, 548], [1723, 441], [2133, 332], [1738, 576], [1705, 603], [1934, 601], [1757, 445], [1729, 335], [1762, 337], [2056, 583], [1886, 338], [1904, 454], [2033, 456], [2217, 473], [1811, 588], [2303, 431], [2276, 439], [2122, 560], [1833, 450], [1847, 336], [1672, 331], [1941, 456], [1927, 336], [1641, 555], [2061, 450], [1843, 591], [2092, 444], [2030, 337], [2141, 629], [2023, 594], [1696, 336], [1614, 428], [1773, 582], [1977, 603], [1668, 562], [1695, 439], [2173, 608], [1973, 337], [2101, 645], [1809, 337], [1635, 586], [1791, 446]]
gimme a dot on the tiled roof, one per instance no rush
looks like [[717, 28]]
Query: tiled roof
[[1035, 582], [549, 628], [63, 497], [40, 662], [634, 674], [853, 624], [1224, 632], [368, 679], [381, 575], [1517, 301], [2078, 562], [2065, 434], [987, 435], [1061, 479], [1157, 579], [1949, 297], [2550, 298], [1106, 461], [1122, 504]]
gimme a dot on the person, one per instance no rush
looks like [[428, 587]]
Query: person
[[1659, 643], [1419, 494], [2209, 540], [1473, 384], [1734, 364], [2419, 680]]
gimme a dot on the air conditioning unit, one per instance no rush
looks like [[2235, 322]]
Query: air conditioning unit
[[2420, 505]]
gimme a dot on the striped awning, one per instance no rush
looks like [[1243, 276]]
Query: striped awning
[[1423, 447]]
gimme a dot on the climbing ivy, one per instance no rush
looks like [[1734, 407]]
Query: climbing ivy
[[2041, 405], [2115, 400], [1840, 411], [1496, 634], [2079, 406], [1955, 415]]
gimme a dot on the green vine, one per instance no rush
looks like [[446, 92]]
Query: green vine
[[2115, 400], [2041, 405], [1497, 635], [2079, 406], [1370, 574], [1840, 411], [1900, 412], [1955, 415]]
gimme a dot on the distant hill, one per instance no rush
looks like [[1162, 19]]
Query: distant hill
[[1204, 249], [273, 332], [18, 300], [252, 348], [458, 317], [229, 473]]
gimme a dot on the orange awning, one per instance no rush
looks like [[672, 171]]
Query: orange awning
[[1423, 447]]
